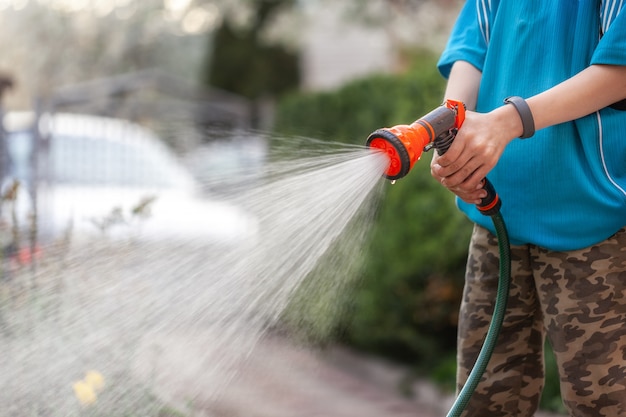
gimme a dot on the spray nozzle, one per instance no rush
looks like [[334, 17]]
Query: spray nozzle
[[404, 144]]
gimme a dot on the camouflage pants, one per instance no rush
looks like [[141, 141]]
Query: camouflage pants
[[577, 299]]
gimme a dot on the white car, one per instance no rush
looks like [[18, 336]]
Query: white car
[[113, 178]]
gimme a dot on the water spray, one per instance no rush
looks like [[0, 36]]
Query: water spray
[[404, 145]]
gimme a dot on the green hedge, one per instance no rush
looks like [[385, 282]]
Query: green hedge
[[354, 111], [407, 301]]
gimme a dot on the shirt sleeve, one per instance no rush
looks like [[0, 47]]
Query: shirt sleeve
[[611, 49], [469, 37]]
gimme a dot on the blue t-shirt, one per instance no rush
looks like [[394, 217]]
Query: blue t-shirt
[[564, 188]]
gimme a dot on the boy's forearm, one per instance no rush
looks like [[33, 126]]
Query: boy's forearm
[[594, 88], [463, 84]]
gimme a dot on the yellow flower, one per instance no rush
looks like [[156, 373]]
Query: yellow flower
[[84, 392], [86, 389], [95, 380]]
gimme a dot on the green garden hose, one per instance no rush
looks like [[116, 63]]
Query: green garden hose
[[496, 321]]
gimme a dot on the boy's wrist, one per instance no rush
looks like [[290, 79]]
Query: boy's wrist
[[508, 123], [525, 115]]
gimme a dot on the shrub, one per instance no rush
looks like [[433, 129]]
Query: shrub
[[406, 303], [362, 106]]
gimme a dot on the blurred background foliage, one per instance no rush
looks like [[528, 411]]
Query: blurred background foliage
[[350, 113], [242, 62], [51, 43]]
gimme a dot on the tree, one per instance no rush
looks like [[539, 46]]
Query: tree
[[243, 61]]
